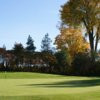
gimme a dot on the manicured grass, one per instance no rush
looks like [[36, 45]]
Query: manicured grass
[[29, 75], [37, 86]]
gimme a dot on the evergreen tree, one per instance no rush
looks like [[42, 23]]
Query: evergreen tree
[[30, 44], [4, 47], [45, 44]]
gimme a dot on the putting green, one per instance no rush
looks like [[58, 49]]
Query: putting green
[[63, 88]]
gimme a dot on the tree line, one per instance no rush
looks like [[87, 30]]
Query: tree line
[[71, 56]]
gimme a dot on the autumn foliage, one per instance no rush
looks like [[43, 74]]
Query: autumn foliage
[[84, 13], [72, 40]]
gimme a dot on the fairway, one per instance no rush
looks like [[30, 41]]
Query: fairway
[[36, 86]]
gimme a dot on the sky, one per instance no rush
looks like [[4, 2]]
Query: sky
[[20, 18]]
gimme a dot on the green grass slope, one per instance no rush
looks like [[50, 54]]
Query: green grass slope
[[27, 75], [37, 86]]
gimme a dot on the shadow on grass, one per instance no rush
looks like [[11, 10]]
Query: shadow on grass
[[73, 83]]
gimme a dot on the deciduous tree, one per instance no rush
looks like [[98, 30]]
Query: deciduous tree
[[72, 40], [19, 53], [86, 13]]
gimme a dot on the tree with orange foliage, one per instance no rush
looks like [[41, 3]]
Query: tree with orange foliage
[[72, 40], [85, 13]]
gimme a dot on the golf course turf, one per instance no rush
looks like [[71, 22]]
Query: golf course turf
[[37, 86]]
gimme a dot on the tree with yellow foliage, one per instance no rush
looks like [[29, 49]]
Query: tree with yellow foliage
[[72, 40], [86, 13]]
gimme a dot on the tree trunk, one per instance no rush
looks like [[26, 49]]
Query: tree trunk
[[97, 38], [91, 40], [96, 43]]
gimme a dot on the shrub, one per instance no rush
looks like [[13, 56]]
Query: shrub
[[81, 64]]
